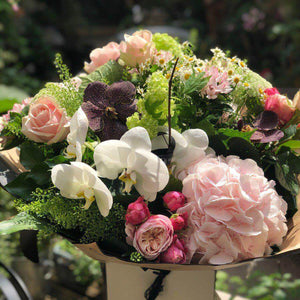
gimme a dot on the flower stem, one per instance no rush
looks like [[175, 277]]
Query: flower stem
[[89, 146], [169, 100]]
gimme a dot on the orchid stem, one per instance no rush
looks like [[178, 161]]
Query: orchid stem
[[169, 100]]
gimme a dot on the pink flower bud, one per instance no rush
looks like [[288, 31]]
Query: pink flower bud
[[271, 91], [137, 212], [175, 254], [178, 222], [174, 200]]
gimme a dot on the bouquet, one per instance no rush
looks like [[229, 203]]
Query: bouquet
[[157, 156]]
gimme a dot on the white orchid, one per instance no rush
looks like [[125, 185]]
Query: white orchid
[[132, 158], [78, 181], [78, 130], [191, 145]]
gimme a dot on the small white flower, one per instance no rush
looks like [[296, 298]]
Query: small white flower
[[78, 129], [79, 180], [132, 158]]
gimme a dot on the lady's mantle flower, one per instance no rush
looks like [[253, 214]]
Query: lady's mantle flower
[[107, 107], [132, 158], [78, 129], [79, 180]]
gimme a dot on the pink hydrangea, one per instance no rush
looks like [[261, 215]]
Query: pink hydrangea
[[218, 83], [234, 212]]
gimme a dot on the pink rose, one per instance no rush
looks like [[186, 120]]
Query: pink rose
[[46, 122], [17, 108], [281, 105], [137, 212], [271, 91], [178, 222], [175, 254], [137, 48], [174, 200], [234, 212], [154, 236], [130, 231], [101, 56]]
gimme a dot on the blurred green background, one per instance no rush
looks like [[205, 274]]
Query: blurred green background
[[32, 31]]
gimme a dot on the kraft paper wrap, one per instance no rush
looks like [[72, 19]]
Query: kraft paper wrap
[[290, 245]]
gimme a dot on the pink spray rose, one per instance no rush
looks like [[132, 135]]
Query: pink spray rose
[[178, 222], [46, 122], [271, 91], [137, 48], [137, 212], [101, 56], [281, 105], [154, 236], [174, 200], [175, 254], [234, 212], [16, 108]]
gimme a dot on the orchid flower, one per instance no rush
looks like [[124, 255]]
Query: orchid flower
[[190, 146], [78, 129], [79, 180], [132, 158]]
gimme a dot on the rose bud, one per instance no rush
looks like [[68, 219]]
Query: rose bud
[[137, 212], [175, 254], [178, 222], [174, 200], [271, 91]]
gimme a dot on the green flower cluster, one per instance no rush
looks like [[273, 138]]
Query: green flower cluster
[[165, 42], [68, 216], [153, 108]]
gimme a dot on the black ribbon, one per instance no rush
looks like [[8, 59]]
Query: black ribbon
[[157, 286]]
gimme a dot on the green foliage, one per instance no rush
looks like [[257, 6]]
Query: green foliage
[[195, 83], [136, 257], [108, 73], [68, 218], [14, 126], [259, 286], [21, 221], [165, 42]]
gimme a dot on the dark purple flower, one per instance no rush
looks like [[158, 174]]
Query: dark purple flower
[[266, 124], [107, 107]]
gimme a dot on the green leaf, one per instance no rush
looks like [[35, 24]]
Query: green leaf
[[290, 131], [287, 178], [240, 147], [236, 133], [207, 127], [280, 295], [21, 221], [195, 83], [30, 155], [257, 291], [108, 73], [6, 104], [293, 144]]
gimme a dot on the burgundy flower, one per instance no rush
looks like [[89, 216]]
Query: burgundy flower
[[107, 107]]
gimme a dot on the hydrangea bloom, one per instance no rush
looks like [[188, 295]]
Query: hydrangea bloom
[[234, 211]]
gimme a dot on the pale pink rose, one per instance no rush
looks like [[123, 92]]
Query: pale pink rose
[[101, 56], [46, 122], [17, 107], [137, 48], [130, 231], [175, 254], [234, 212], [218, 83], [282, 106], [154, 236]]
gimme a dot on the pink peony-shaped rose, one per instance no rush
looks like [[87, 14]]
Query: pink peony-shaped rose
[[282, 106], [137, 212], [46, 122], [137, 48], [154, 236], [101, 56], [174, 200], [175, 254], [234, 212]]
